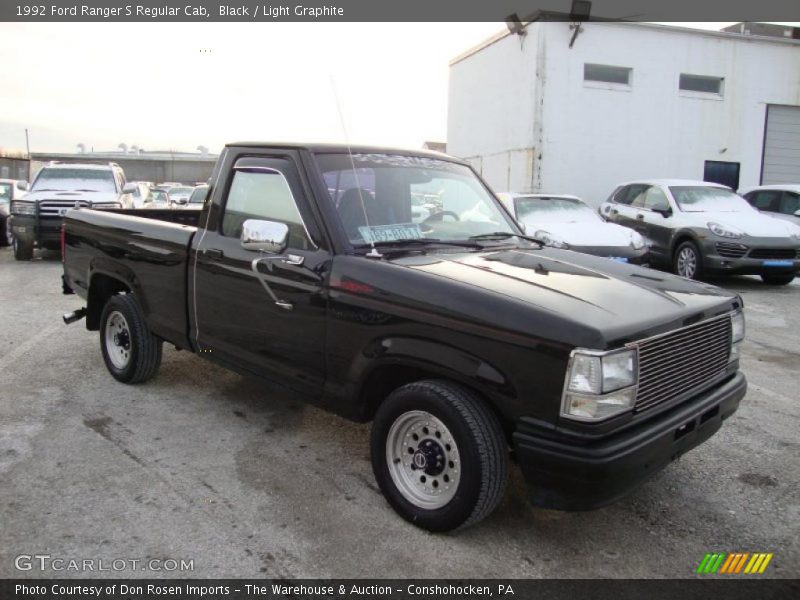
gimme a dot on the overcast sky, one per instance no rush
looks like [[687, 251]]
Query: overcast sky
[[178, 86]]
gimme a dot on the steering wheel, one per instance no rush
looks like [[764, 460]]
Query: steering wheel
[[439, 216]]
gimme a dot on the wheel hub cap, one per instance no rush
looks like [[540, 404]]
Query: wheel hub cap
[[423, 459]]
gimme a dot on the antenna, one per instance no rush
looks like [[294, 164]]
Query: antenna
[[373, 253]]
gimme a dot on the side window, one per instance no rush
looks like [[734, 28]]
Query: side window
[[621, 194], [265, 195], [655, 199], [637, 196], [790, 203], [763, 200]]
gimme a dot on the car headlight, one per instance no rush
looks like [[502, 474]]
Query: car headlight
[[599, 384], [549, 239], [725, 231], [637, 241], [23, 208], [794, 233], [737, 334]]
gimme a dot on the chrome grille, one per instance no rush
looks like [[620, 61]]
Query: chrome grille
[[730, 250], [773, 253], [53, 208], [676, 363]]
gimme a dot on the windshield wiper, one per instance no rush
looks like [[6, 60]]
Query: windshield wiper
[[504, 235]]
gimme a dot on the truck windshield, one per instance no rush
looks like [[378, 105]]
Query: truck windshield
[[699, 198], [388, 198], [88, 180]]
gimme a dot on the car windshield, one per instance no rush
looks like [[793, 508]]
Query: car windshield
[[157, 196], [374, 193], [74, 179], [555, 210], [5, 192], [701, 198]]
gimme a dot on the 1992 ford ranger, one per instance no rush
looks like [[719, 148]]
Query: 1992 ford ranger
[[463, 341]]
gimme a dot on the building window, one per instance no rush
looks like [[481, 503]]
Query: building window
[[701, 83], [607, 74], [725, 173]]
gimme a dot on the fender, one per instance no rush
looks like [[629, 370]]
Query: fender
[[681, 234], [436, 358]]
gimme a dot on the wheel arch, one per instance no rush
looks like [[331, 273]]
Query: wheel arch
[[102, 286]]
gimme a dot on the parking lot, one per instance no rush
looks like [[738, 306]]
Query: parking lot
[[205, 465]]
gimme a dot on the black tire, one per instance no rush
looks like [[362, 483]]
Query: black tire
[[22, 251], [682, 254], [772, 279], [479, 441], [143, 348], [6, 233]]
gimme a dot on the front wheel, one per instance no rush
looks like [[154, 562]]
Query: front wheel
[[131, 352], [439, 455], [777, 279], [688, 262], [22, 251]]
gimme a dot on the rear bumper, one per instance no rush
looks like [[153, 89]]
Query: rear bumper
[[567, 476]]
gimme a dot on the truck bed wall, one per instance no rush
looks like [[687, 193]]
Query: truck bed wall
[[149, 255]]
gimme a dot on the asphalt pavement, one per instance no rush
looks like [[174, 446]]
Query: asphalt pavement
[[207, 466]]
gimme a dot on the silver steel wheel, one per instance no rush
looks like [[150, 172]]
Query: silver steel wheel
[[687, 262], [118, 340], [423, 459]]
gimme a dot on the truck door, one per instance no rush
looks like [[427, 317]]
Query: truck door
[[255, 310]]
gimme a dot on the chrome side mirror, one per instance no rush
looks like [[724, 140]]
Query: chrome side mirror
[[265, 236], [23, 185]]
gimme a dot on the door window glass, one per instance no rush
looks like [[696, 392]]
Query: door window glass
[[764, 200], [790, 203], [263, 195], [655, 199]]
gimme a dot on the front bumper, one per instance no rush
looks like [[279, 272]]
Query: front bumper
[[760, 255], [569, 476], [44, 231], [621, 253]]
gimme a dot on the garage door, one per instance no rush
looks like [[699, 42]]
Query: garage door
[[781, 145]]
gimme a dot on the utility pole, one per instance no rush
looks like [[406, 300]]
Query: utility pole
[[27, 143]]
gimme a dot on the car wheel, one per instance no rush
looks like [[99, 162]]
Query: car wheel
[[688, 262], [439, 455], [771, 279], [7, 238], [131, 352], [22, 251]]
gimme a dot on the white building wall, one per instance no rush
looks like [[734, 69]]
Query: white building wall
[[594, 136], [491, 111]]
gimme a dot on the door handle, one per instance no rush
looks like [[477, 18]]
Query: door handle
[[213, 252], [614, 211], [640, 216], [254, 267]]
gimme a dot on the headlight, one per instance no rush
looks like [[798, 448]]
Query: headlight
[[637, 241], [794, 233], [599, 384], [23, 208], [737, 333], [725, 231], [549, 239]]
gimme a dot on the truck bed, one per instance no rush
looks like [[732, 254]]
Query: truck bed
[[146, 249]]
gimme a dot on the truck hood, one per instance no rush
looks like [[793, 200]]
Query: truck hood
[[752, 223], [605, 302], [72, 195], [596, 233]]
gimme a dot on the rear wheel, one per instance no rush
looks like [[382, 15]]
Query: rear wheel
[[688, 262], [22, 251], [439, 455], [771, 279], [131, 352]]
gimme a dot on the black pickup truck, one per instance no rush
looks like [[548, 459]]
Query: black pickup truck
[[465, 342]]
